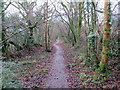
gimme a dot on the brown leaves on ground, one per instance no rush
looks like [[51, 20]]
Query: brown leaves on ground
[[82, 76], [36, 65]]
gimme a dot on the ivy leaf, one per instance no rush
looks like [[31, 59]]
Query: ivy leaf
[[92, 35], [111, 22]]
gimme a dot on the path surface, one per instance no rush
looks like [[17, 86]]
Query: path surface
[[57, 77]]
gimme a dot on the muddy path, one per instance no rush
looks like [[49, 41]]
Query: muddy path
[[57, 77]]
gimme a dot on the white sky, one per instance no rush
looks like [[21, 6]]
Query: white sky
[[12, 9], [41, 2]]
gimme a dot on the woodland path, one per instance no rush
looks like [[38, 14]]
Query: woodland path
[[57, 77]]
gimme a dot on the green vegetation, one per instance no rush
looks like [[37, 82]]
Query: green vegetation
[[29, 32], [10, 75]]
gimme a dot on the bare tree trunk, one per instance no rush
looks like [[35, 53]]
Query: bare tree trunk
[[46, 27]]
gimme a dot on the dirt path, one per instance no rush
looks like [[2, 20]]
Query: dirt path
[[57, 77]]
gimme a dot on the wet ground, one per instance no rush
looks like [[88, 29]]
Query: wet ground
[[57, 77]]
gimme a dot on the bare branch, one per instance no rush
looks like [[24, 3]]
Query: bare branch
[[5, 8]]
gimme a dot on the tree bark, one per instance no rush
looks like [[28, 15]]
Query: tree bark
[[106, 37], [4, 44], [46, 27], [79, 22]]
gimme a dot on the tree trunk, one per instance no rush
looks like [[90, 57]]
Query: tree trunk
[[88, 24], [47, 47], [106, 38], [4, 44], [31, 32], [118, 26], [79, 23], [94, 39]]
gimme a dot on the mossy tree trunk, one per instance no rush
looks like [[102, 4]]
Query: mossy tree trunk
[[91, 18], [106, 38], [4, 44], [79, 22], [88, 22], [94, 38], [70, 23], [30, 41]]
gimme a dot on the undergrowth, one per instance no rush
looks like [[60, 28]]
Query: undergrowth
[[10, 75]]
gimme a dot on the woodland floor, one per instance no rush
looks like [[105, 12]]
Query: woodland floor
[[59, 69]]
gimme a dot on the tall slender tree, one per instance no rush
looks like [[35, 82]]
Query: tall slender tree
[[47, 40], [4, 44], [106, 37], [79, 22]]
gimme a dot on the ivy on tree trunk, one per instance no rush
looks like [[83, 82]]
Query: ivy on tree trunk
[[106, 38]]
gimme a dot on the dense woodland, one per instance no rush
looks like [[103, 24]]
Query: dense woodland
[[88, 32]]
